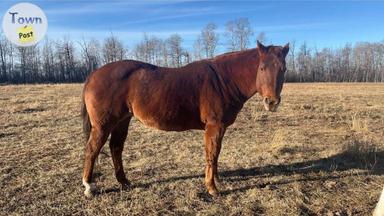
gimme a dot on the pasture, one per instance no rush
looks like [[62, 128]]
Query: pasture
[[322, 153]]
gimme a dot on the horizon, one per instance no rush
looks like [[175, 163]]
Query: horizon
[[319, 24]]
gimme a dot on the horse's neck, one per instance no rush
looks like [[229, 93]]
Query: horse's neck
[[241, 69]]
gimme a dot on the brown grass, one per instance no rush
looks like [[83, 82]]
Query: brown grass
[[321, 154]]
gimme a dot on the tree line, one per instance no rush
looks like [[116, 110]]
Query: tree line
[[65, 60]]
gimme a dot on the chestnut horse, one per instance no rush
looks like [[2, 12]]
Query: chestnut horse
[[205, 95]]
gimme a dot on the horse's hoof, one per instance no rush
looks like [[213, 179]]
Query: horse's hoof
[[90, 189], [214, 193], [88, 194], [218, 180], [125, 186]]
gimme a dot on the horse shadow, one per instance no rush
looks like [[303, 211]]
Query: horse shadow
[[333, 167]]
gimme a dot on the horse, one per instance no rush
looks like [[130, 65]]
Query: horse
[[203, 95]]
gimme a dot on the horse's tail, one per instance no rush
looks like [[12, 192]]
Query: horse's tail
[[84, 115]]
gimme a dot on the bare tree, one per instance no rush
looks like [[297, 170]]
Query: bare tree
[[175, 49], [11, 61], [139, 52], [48, 61], [91, 54], [29, 64], [291, 63], [66, 60], [4, 46], [158, 50], [238, 33], [198, 48], [69, 59], [146, 49], [113, 50], [23, 57], [345, 63], [151, 49], [304, 60], [209, 39]]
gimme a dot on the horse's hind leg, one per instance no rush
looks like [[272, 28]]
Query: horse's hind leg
[[119, 134], [97, 139]]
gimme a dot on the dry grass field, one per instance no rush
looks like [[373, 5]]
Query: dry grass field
[[322, 153]]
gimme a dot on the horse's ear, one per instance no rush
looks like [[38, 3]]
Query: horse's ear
[[286, 49], [262, 49]]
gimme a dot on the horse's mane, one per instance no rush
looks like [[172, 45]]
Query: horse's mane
[[238, 53], [234, 54]]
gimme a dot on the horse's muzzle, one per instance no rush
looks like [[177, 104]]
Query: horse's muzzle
[[271, 104]]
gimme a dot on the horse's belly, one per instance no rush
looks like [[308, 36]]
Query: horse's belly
[[176, 121]]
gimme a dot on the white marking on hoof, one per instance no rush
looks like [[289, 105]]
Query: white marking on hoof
[[379, 210], [89, 189]]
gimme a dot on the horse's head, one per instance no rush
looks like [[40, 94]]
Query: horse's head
[[270, 74]]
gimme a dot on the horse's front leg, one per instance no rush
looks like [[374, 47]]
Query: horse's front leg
[[213, 136]]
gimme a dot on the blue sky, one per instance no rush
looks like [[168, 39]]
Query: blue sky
[[319, 23]]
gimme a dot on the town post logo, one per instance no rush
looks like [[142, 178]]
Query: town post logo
[[25, 24]]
